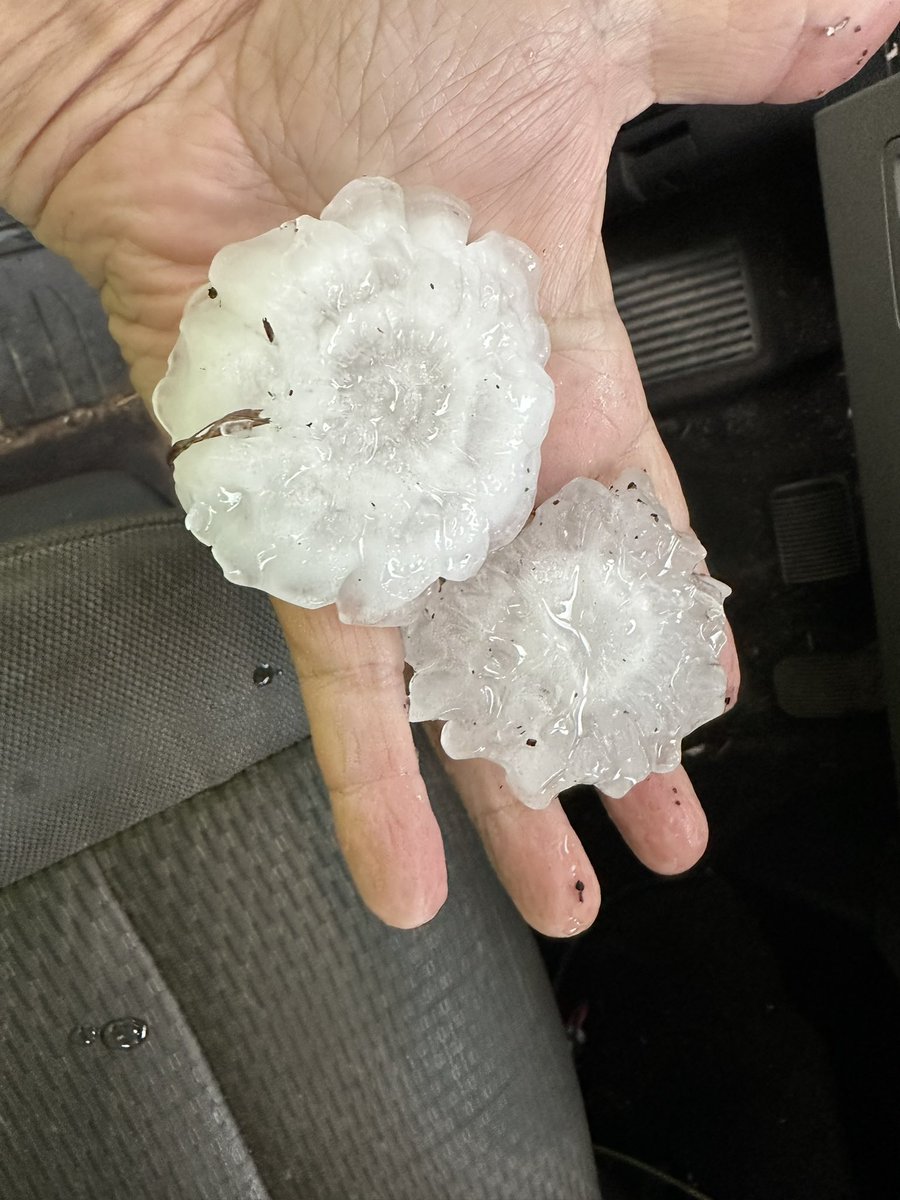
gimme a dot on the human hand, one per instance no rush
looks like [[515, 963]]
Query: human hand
[[204, 123]]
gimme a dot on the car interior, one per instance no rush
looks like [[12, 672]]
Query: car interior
[[734, 1030]]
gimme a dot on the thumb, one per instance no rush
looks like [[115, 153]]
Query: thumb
[[748, 51]]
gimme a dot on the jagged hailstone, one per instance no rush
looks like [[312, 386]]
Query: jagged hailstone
[[581, 653], [384, 384]]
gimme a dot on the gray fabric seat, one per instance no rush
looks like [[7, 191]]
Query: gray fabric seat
[[168, 859]]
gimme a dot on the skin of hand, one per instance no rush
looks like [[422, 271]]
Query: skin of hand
[[137, 137]]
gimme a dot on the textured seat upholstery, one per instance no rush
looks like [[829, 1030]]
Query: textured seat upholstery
[[127, 682], [168, 858]]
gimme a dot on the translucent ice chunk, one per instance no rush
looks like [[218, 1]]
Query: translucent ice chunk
[[393, 376], [582, 652]]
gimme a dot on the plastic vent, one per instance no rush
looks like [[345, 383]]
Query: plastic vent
[[815, 530], [687, 313]]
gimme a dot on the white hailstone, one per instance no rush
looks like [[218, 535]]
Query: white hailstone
[[386, 400], [581, 653]]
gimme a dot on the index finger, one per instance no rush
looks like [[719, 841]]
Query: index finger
[[352, 682]]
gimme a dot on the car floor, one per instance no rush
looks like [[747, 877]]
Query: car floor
[[736, 1028]]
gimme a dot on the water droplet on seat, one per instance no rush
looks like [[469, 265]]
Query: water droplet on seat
[[125, 1033], [265, 673], [84, 1035]]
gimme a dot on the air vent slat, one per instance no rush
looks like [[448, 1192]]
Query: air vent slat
[[688, 313]]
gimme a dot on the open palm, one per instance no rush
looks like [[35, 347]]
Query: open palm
[[226, 129]]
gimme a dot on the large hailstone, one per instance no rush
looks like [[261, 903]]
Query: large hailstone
[[385, 401], [581, 653]]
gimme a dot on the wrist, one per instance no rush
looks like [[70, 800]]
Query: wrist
[[68, 78]]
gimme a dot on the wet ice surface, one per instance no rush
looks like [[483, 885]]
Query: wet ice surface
[[581, 653], [400, 373]]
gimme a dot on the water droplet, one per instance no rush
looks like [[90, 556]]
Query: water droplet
[[84, 1035], [125, 1033], [265, 673]]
